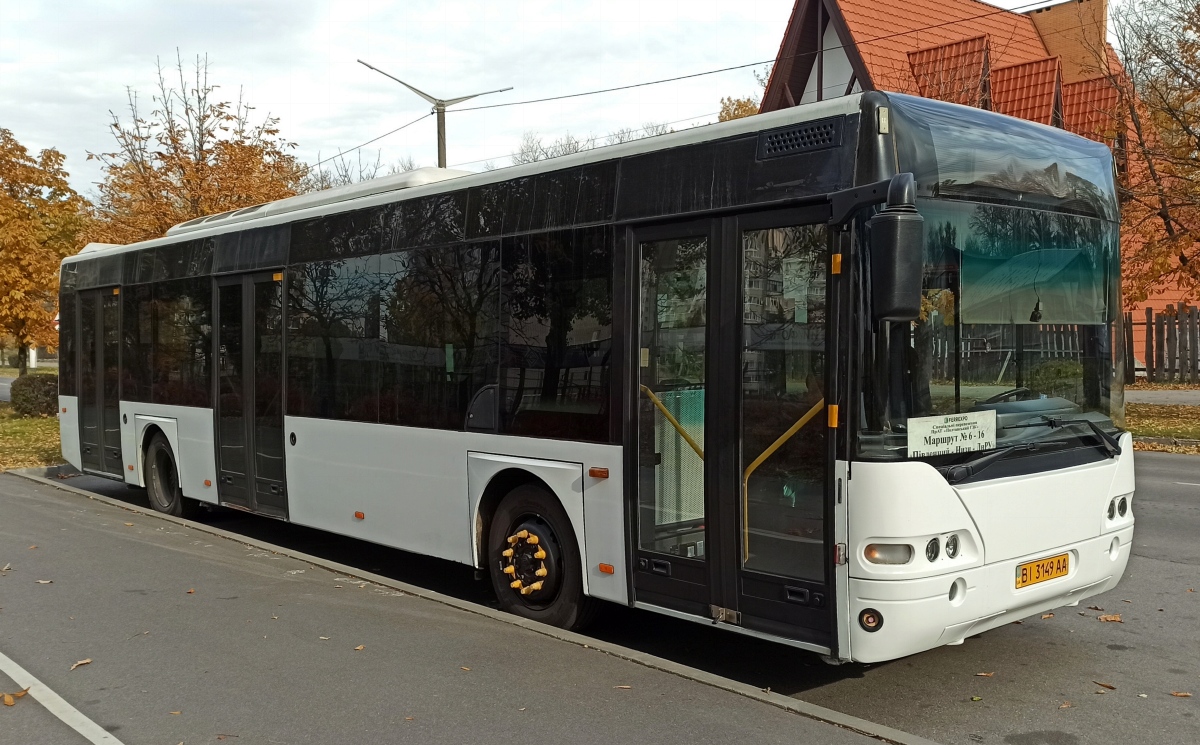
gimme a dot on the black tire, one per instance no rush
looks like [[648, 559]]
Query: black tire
[[162, 481], [558, 599]]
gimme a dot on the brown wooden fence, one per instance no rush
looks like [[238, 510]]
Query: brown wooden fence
[[1172, 347]]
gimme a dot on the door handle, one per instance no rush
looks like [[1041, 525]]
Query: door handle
[[661, 566], [796, 595]]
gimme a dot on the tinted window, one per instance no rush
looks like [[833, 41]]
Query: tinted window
[[485, 210], [331, 236], [182, 342], [68, 335], [88, 273], [136, 343], [439, 336], [557, 334], [668, 182], [597, 192], [251, 249], [518, 212], [554, 199], [428, 221], [333, 339]]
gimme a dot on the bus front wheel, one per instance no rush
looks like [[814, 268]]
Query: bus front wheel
[[533, 560], [162, 481]]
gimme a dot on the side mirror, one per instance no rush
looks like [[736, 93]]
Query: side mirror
[[897, 253]]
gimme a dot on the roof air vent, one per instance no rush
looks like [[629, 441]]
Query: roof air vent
[[801, 138]]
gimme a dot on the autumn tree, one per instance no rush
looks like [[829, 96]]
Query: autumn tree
[[533, 148], [192, 155], [1157, 127], [733, 107], [41, 218]]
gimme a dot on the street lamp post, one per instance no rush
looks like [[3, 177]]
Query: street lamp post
[[439, 108]]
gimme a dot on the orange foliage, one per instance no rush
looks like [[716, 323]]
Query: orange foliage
[[193, 156], [40, 221]]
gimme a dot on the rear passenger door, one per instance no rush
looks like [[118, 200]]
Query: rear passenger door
[[99, 394]]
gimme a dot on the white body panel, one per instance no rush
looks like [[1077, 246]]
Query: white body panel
[[1001, 523], [68, 429], [189, 430], [419, 489]]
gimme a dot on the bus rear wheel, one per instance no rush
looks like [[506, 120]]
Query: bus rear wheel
[[162, 481], [534, 561]]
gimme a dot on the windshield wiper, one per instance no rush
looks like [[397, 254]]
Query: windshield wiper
[[963, 471], [1108, 443]]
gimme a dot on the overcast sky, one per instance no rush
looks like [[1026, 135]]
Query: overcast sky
[[65, 65]]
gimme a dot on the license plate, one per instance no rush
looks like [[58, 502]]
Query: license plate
[[1032, 572]]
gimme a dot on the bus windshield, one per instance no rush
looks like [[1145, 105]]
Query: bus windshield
[[1020, 280]]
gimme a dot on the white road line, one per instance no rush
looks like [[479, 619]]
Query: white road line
[[1186, 483], [55, 704]]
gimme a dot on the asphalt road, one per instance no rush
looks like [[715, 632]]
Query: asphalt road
[[1189, 397], [157, 632], [6, 388], [1045, 672]]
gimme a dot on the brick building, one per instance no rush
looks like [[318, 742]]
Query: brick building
[[1049, 65]]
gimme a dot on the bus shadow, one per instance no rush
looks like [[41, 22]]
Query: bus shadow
[[759, 663]]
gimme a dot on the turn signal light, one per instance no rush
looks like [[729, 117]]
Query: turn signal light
[[207, 482], [607, 569], [598, 473], [360, 516], [888, 553]]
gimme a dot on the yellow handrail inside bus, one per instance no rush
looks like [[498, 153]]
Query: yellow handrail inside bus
[[674, 422], [758, 462]]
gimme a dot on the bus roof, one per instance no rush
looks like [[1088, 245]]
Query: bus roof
[[426, 181]]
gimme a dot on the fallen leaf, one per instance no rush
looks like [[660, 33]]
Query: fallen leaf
[[11, 698], [226, 737], [1047, 615], [977, 698], [33, 547], [464, 668], [984, 675], [624, 688], [360, 648], [521, 709], [176, 713], [274, 618], [1082, 613], [1095, 607], [45, 581], [192, 591], [1015, 623], [1142, 695], [1181, 694], [1110, 618], [1190, 590], [129, 525], [1101, 692], [7, 567], [408, 719], [88, 661], [1109, 686], [1126, 601], [1066, 705], [326, 638]]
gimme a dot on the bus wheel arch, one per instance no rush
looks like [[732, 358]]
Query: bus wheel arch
[[531, 551], [161, 474]]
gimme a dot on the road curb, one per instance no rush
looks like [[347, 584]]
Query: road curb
[[807, 710]]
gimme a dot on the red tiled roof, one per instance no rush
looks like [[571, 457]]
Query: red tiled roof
[[885, 33], [1090, 109], [1027, 90], [955, 72]]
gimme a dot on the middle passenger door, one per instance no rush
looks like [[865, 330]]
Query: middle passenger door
[[729, 441]]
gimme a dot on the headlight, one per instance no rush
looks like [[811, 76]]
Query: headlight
[[888, 553], [932, 549], [952, 545], [1122, 507]]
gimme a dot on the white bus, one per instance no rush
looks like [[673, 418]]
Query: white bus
[[841, 376]]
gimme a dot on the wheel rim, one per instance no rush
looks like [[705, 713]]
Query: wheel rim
[[162, 475], [531, 562]]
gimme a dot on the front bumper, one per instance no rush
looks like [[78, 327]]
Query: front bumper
[[921, 614]]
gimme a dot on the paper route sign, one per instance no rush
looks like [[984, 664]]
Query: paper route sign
[[951, 433]]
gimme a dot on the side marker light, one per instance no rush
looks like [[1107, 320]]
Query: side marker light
[[360, 516], [598, 473], [207, 482], [129, 467], [607, 569]]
